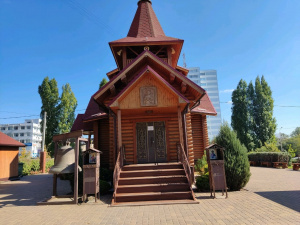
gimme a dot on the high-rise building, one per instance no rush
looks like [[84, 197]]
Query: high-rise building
[[208, 80], [28, 133]]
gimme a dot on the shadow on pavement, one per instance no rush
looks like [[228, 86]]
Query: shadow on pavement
[[290, 199], [29, 190]]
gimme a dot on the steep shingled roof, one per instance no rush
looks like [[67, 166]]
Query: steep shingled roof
[[5, 140]]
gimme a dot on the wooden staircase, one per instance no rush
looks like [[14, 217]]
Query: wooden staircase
[[142, 184]]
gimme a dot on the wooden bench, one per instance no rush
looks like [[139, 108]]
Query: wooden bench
[[280, 164], [296, 166], [252, 163], [268, 164]]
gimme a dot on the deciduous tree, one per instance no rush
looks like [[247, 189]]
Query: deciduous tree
[[102, 83]]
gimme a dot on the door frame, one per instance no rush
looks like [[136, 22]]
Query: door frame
[[157, 119]]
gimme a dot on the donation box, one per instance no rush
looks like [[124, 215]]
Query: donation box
[[91, 170], [215, 160]]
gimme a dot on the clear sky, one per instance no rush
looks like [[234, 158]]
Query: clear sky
[[68, 40]]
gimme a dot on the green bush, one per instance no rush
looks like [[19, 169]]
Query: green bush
[[49, 164], [202, 182], [201, 164], [30, 165], [237, 167], [269, 157]]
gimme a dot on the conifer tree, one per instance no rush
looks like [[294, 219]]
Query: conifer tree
[[237, 167]]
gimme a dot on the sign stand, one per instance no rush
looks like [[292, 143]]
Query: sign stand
[[217, 177]]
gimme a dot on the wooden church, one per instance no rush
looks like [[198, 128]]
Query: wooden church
[[149, 120]]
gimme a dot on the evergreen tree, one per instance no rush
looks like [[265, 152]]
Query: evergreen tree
[[237, 167], [50, 100], [296, 132], [67, 107], [240, 118], [102, 83], [264, 123]]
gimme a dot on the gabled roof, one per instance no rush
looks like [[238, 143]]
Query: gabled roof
[[5, 140], [152, 71], [146, 30], [153, 58], [206, 107]]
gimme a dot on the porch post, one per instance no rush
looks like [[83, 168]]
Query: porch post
[[180, 126], [119, 129]]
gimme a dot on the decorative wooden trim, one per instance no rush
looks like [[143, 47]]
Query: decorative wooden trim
[[133, 51], [62, 137], [160, 50], [124, 57]]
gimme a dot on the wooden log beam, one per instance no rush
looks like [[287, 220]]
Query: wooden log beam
[[119, 129], [172, 78], [183, 87], [113, 90], [124, 79]]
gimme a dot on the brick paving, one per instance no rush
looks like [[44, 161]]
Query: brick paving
[[271, 197]]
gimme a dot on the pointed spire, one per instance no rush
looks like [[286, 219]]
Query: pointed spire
[[145, 22]]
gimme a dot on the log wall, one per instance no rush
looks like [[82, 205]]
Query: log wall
[[190, 139], [103, 144], [8, 162]]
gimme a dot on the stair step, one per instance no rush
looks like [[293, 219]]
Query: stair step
[[152, 166], [152, 196], [161, 202], [153, 180], [159, 172], [173, 187]]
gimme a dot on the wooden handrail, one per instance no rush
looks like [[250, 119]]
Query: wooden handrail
[[118, 167], [186, 165]]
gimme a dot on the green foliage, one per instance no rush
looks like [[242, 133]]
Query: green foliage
[[268, 147], [67, 107], [237, 168], [49, 164], [102, 83], [241, 119], [265, 124], [50, 100], [60, 110], [30, 165], [291, 151], [296, 132], [269, 157], [201, 164], [252, 113], [202, 182], [104, 187], [294, 143]]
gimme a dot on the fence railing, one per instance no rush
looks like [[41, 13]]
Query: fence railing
[[186, 165]]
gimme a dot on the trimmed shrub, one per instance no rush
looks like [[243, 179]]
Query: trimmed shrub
[[269, 157], [237, 167], [49, 164], [201, 164], [202, 182]]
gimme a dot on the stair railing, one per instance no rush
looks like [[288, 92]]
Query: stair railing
[[118, 167], [186, 165]]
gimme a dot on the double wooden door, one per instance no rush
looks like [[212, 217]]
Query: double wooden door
[[151, 142]]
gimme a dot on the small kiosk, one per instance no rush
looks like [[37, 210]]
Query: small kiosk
[[91, 169], [215, 160]]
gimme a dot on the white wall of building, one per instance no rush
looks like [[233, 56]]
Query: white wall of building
[[28, 133], [208, 80]]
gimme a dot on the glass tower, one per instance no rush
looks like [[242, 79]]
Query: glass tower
[[207, 79]]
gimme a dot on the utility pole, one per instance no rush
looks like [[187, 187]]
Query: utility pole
[[43, 152]]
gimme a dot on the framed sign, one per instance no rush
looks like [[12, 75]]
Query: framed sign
[[213, 154]]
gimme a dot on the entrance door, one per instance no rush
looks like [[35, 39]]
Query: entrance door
[[151, 142]]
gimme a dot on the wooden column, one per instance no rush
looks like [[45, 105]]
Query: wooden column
[[124, 57], [119, 129], [77, 146], [96, 133], [180, 126]]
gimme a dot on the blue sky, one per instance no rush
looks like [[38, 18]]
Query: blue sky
[[68, 40]]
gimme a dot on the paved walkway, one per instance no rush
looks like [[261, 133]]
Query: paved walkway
[[271, 197]]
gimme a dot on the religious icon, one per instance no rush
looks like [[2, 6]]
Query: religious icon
[[148, 96], [213, 154], [92, 157]]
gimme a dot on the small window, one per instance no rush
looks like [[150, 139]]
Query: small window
[[22, 134], [16, 128], [2, 128], [22, 127], [9, 128], [28, 127], [16, 135]]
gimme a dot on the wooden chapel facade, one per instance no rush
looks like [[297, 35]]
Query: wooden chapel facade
[[149, 107]]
